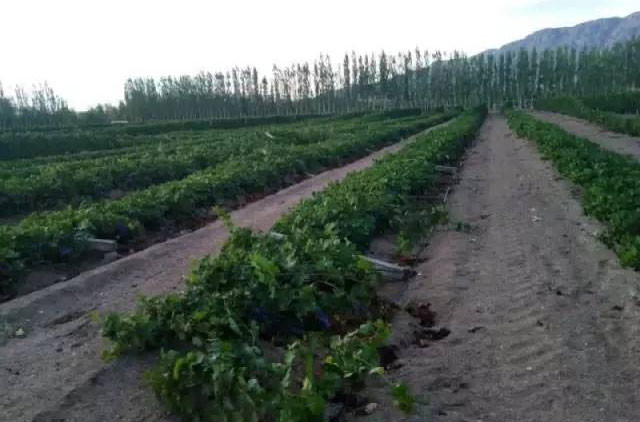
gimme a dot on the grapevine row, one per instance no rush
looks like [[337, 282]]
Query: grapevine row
[[259, 333], [609, 180], [62, 235], [577, 107], [47, 186], [17, 144]]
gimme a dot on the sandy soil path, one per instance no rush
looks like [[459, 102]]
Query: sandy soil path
[[55, 372], [545, 325], [617, 142]]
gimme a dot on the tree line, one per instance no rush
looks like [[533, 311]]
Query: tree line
[[43, 108], [357, 82], [380, 81]]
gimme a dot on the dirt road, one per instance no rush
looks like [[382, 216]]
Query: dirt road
[[545, 325], [616, 142], [55, 372]]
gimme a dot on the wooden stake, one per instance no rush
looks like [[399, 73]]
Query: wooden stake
[[102, 245], [446, 169]]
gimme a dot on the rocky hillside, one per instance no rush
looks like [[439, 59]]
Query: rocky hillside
[[597, 33]]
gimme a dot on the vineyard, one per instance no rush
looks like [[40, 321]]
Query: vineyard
[[411, 237], [171, 182], [262, 286]]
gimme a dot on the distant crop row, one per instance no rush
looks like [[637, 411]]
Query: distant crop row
[[47, 186], [621, 103], [40, 187], [298, 294], [165, 143], [176, 139], [597, 110], [609, 180], [21, 144], [169, 144], [62, 235]]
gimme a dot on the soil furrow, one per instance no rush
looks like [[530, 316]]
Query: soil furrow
[[544, 322]]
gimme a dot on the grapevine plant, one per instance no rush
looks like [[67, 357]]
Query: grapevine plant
[[275, 327]]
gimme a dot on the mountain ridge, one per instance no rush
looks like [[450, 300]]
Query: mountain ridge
[[598, 33]]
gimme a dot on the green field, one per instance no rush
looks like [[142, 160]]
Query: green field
[[172, 179]]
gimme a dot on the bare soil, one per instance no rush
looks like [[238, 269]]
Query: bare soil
[[544, 323], [50, 364], [616, 142]]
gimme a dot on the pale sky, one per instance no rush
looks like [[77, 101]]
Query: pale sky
[[86, 49]]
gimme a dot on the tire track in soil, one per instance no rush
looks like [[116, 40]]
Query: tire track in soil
[[616, 142], [55, 373], [545, 325]]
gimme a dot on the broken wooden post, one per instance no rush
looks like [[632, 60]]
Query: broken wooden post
[[102, 245], [276, 235], [390, 271], [446, 169]]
